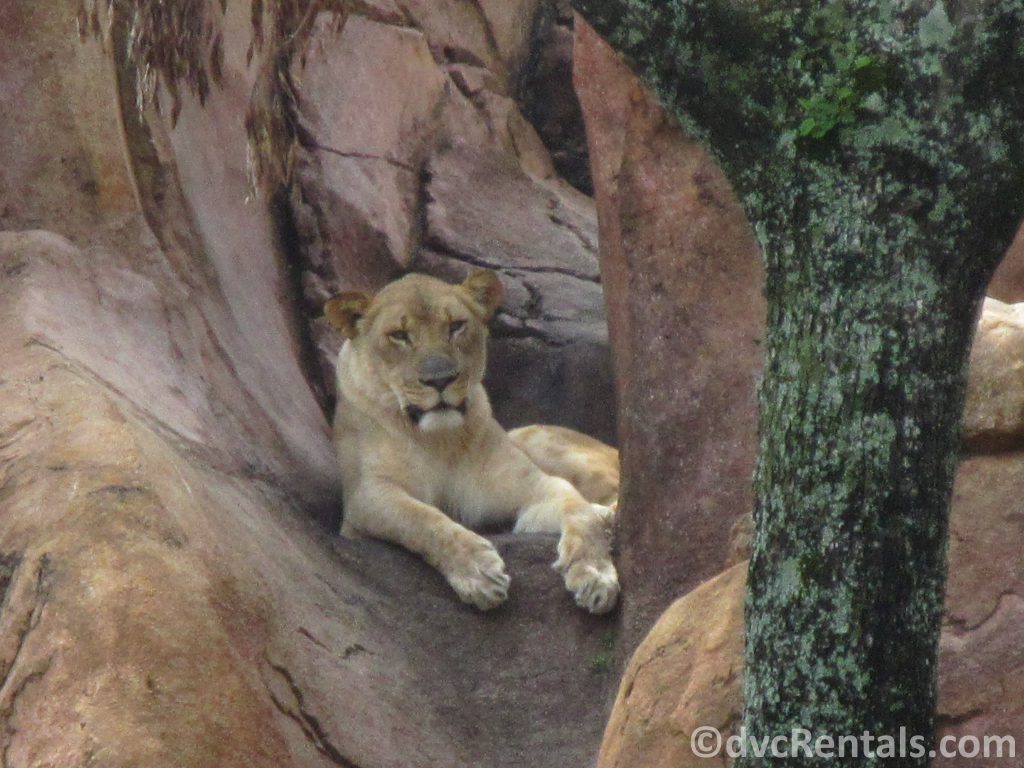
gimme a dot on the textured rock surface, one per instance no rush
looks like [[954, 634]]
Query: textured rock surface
[[981, 664], [1008, 281], [162, 612], [994, 413], [548, 97], [414, 154], [686, 673], [685, 314], [168, 598]]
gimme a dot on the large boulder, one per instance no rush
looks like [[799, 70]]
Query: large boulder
[[684, 302], [683, 676], [682, 279], [162, 610], [981, 664]]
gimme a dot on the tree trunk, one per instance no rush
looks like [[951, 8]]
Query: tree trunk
[[860, 409], [878, 150]]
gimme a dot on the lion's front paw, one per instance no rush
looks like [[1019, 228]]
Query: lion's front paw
[[594, 584], [477, 574]]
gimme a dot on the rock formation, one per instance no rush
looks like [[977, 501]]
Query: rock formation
[[994, 412], [687, 672], [413, 153], [174, 592], [683, 279]]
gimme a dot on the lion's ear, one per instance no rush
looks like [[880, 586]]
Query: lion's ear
[[345, 310], [485, 289]]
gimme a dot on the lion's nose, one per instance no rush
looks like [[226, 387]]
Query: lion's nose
[[438, 371]]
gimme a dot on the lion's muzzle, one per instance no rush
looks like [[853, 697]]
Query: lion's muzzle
[[437, 371]]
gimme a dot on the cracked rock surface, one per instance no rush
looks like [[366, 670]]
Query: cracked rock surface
[[173, 591], [415, 153]]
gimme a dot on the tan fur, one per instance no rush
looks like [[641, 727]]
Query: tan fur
[[424, 484], [588, 464]]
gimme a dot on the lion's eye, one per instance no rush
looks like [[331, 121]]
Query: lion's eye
[[399, 337], [456, 327]]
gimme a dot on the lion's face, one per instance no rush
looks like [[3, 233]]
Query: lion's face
[[424, 340]]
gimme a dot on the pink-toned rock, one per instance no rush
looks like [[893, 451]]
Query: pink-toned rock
[[511, 24], [981, 662], [994, 411], [377, 92], [490, 33], [684, 306], [686, 673], [162, 610], [72, 105], [491, 227], [168, 598], [682, 280], [458, 32], [1007, 283], [415, 155], [683, 676]]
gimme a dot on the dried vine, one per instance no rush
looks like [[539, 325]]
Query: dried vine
[[180, 46]]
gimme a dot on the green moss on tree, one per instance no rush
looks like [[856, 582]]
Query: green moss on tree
[[878, 148]]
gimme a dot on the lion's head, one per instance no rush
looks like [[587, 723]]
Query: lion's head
[[424, 339]]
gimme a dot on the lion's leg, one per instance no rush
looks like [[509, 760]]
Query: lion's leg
[[555, 506], [468, 561]]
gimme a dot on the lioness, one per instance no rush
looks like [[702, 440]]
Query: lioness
[[422, 458]]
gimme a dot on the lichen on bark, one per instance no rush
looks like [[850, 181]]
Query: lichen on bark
[[878, 148]]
